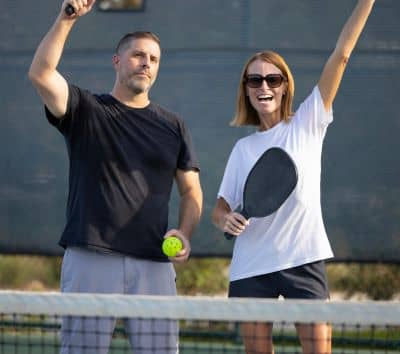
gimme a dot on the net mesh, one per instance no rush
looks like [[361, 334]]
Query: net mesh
[[98, 323]]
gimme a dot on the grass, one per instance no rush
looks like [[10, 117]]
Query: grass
[[207, 276]]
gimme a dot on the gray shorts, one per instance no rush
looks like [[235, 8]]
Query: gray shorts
[[307, 281], [89, 271]]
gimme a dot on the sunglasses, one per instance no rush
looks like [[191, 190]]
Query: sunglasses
[[256, 80]]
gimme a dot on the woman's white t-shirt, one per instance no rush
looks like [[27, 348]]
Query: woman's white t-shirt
[[295, 233]]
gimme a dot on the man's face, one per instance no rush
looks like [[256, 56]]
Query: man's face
[[137, 65]]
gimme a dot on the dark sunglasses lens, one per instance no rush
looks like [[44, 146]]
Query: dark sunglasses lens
[[274, 81], [254, 81]]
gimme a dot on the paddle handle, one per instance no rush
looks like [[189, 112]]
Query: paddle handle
[[228, 236], [69, 10]]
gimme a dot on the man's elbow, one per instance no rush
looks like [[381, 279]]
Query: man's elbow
[[199, 200], [32, 75], [195, 194], [39, 76], [35, 78]]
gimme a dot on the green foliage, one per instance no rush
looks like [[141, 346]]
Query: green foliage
[[202, 276], [29, 272], [208, 276], [377, 281]]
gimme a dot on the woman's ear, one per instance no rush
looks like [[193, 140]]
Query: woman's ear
[[285, 89]]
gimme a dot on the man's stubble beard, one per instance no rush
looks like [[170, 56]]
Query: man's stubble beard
[[137, 87]]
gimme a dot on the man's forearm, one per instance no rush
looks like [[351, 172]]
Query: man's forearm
[[189, 212], [50, 49]]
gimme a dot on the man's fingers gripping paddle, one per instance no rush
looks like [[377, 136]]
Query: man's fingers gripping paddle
[[78, 7], [69, 10]]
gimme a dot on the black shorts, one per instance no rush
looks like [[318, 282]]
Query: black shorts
[[307, 281]]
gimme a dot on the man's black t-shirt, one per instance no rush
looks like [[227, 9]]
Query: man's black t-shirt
[[122, 166]]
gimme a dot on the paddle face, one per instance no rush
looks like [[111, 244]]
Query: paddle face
[[269, 183]]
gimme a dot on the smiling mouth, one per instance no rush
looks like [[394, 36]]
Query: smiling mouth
[[265, 98]]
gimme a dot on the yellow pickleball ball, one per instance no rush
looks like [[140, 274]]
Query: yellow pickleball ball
[[171, 246]]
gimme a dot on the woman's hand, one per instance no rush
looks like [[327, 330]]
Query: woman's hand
[[227, 220], [234, 223]]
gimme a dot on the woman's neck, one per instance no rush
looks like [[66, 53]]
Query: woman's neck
[[268, 121]]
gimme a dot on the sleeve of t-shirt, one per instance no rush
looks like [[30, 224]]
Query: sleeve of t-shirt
[[187, 159], [64, 124], [313, 115], [230, 185]]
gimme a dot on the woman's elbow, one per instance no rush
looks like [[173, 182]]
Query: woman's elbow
[[220, 210], [214, 216], [342, 56]]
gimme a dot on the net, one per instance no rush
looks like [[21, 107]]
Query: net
[[107, 323]]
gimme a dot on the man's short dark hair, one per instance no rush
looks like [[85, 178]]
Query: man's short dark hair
[[127, 38]]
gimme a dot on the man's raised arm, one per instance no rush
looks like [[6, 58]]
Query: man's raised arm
[[50, 84]]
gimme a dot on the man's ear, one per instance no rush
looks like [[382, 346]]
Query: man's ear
[[115, 59]]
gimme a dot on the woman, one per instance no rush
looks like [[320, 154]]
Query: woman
[[283, 254]]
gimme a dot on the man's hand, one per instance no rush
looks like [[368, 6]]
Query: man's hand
[[76, 8], [183, 255]]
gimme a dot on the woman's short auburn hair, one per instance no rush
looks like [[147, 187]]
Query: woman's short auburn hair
[[245, 113]]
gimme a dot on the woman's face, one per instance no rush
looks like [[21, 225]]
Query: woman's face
[[266, 98]]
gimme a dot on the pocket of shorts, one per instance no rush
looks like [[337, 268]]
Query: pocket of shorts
[[65, 278]]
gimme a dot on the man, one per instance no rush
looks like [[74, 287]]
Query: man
[[125, 152]]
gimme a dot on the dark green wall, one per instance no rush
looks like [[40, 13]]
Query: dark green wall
[[205, 44]]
